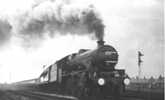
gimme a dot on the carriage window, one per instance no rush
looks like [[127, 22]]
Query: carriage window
[[59, 75], [53, 73]]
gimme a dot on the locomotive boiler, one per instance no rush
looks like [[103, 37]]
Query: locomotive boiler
[[86, 73]]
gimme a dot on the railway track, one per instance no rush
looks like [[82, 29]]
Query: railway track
[[41, 96], [121, 98], [33, 95], [38, 95]]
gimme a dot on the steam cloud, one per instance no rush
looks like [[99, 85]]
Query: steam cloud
[[60, 18]]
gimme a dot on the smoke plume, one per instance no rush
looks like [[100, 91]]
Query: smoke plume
[[52, 17], [5, 31]]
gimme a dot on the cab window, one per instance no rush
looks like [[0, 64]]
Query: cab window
[[53, 73], [44, 76]]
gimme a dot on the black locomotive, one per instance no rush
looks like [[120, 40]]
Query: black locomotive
[[86, 73]]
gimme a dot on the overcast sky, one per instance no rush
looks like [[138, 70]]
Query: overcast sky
[[130, 25]]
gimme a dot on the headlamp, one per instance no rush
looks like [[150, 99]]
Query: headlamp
[[126, 81], [101, 81]]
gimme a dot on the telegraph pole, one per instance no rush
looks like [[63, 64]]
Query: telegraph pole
[[10, 77], [139, 63]]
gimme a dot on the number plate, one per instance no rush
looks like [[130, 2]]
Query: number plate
[[108, 53]]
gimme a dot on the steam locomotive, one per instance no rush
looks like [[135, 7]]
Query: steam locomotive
[[86, 73]]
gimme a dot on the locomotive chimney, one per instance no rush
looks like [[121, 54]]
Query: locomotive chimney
[[100, 43]]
